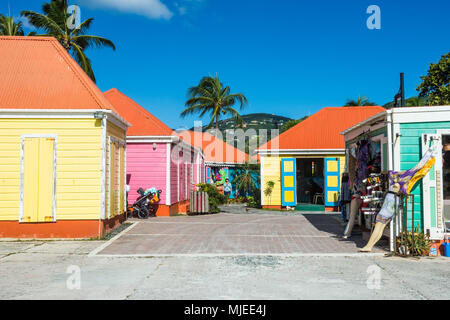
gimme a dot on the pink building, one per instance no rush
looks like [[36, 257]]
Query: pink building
[[157, 157]]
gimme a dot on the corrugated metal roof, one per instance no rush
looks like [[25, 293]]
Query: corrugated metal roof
[[322, 130], [214, 149], [143, 123], [38, 73]]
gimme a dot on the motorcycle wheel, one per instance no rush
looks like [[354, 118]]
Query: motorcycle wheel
[[152, 211], [143, 213]]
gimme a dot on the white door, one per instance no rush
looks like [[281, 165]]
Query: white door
[[432, 190]]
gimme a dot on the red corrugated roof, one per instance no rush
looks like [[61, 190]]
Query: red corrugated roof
[[38, 73], [322, 130], [214, 149], [143, 123]]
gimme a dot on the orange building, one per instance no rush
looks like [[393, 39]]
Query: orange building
[[62, 146], [305, 163]]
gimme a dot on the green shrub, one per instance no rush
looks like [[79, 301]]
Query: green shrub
[[254, 201], [417, 243], [215, 197]]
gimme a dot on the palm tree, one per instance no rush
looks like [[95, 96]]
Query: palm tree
[[9, 27], [210, 96], [244, 179], [76, 41], [360, 101]]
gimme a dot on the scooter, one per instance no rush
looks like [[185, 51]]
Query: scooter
[[146, 205]]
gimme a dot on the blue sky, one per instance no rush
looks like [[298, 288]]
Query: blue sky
[[289, 57]]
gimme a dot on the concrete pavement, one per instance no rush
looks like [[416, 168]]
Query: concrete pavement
[[53, 269], [38, 270]]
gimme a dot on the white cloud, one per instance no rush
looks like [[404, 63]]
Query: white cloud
[[25, 22], [153, 9]]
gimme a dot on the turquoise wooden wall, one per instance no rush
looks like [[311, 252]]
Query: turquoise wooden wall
[[410, 155]]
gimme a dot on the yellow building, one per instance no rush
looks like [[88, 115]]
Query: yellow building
[[303, 166], [62, 146]]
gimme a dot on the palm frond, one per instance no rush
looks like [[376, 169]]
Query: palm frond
[[83, 61], [40, 21], [89, 41]]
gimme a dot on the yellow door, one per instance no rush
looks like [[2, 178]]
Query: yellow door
[[38, 180]]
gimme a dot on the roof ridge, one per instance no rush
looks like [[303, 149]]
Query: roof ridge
[[74, 66], [141, 109]]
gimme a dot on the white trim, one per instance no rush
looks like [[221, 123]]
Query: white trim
[[119, 167], [186, 174], [22, 171], [168, 163], [178, 181], [151, 139], [124, 178], [301, 151], [421, 114], [103, 170], [396, 144], [366, 121], [407, 115], [262, 179], [246, 254], [109, 178], [199, 176], [65, 113], [222, 164]]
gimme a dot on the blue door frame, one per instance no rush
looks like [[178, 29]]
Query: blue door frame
[[288, 182], [332, 181]]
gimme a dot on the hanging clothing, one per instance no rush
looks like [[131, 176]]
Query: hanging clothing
[[407, 179]]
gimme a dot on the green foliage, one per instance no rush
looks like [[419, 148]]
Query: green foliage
[[255, 200], [269, 189], [417, 242], [9, 27], [53, 22], [435, 84], [290, 124], [359, 102], [245, 177], [215, 197], [410, 102], [211, 96]]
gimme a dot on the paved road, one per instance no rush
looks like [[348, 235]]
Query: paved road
[[49, 269], [38, 270], [227, 233]]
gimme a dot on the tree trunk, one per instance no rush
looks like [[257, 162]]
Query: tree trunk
[[217, 126]]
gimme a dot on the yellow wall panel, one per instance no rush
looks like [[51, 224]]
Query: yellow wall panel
[[332, 166], [288, 166], [332, 196], [272, 172], [289, 196], [289, 181], [332, 181], [113, 182], [78, 166]]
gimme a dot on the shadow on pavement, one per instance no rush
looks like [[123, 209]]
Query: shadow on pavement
[[333, 224]]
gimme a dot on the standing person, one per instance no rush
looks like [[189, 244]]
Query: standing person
[[227, 189]]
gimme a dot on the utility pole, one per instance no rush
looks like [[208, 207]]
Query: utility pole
[[401, 93]]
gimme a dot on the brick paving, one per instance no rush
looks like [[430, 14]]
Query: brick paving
[[227, 233]]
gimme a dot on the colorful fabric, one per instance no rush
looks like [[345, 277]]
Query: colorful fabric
[[407, 179], [388, 209]]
